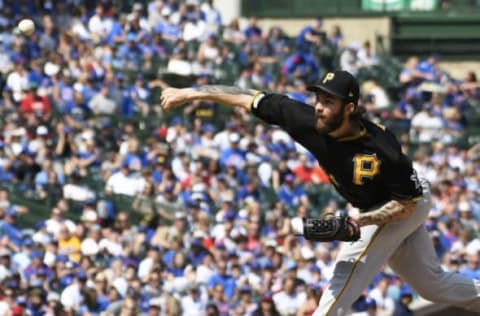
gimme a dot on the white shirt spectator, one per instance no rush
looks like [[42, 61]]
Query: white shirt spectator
[[195, 30], [213, 18], [119, 183], [102, 104], [426, 126], [71, 296], [144, 268], [77, 192], [17, 82], [54, 226], [192, 306], [288, 304], [384, 302]]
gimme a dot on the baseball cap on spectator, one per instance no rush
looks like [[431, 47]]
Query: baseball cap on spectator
[[61, 257], [36, 254], [208, 128], [220, 246], [27, 242], [166, 11], [180, 215], [81, 275], [53, 297], [245, 289], [155, 302], [464, 206], [229, 216], [234, 138], [42, 130], [121, 286], [291, 265], [307, 253], [12, 284], [66, 280], [51, 69], [267, 297], [315, 268], [176, 121], [4, 252], [137, 6], [89, 216], [268, 265], [36, 284], [12, 211], [40, 225], [131, 37], [289, 178]]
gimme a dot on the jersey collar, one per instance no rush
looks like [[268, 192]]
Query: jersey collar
[[362, 133]]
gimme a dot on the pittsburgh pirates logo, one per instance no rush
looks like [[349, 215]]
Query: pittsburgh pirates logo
[[329, 76], [365, 167]]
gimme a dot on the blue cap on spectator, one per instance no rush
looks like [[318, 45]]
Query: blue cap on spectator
[[12, 284], [220, 246], [268, 265], [36, 254], [229, 216], [254, 265], [196, 242], [291, 265], [193, 204], [21, 300], [131, 36], [12, 211], [42, 271], [232, 253], [208, 128], [40, 225], [34, 283], [406, 291], [315, 268], [289, 177], [27, 242], [61, 257], [245, 289], [315, 287], [81, 275], [66, 280], [371, 303], [176, 121]]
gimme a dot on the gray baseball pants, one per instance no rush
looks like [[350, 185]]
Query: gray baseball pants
[[408, 249]]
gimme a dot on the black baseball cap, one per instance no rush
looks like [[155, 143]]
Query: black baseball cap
[[341, 84]]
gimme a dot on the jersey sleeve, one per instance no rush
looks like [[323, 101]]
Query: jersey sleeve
[[402, 180], [294, 117]]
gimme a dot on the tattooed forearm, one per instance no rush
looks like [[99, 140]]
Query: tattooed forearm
[[224, 90], [391, 211]]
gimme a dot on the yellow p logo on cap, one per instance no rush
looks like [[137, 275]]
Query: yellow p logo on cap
[[328, 76]]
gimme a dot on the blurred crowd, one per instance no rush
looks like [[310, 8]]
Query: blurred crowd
[[189, 214]]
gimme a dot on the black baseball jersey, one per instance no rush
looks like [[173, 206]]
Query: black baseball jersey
[[367, 170]]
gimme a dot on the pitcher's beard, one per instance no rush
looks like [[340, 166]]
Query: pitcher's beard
[[330, 125]]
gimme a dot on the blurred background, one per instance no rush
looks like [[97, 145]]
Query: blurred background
[[109, 206]]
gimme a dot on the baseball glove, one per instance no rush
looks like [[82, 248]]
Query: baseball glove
[[331, 228]]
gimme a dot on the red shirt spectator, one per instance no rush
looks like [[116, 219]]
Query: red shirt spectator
[[36, 103], [308, 172]]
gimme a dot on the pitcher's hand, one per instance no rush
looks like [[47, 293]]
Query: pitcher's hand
[[172, 98]]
